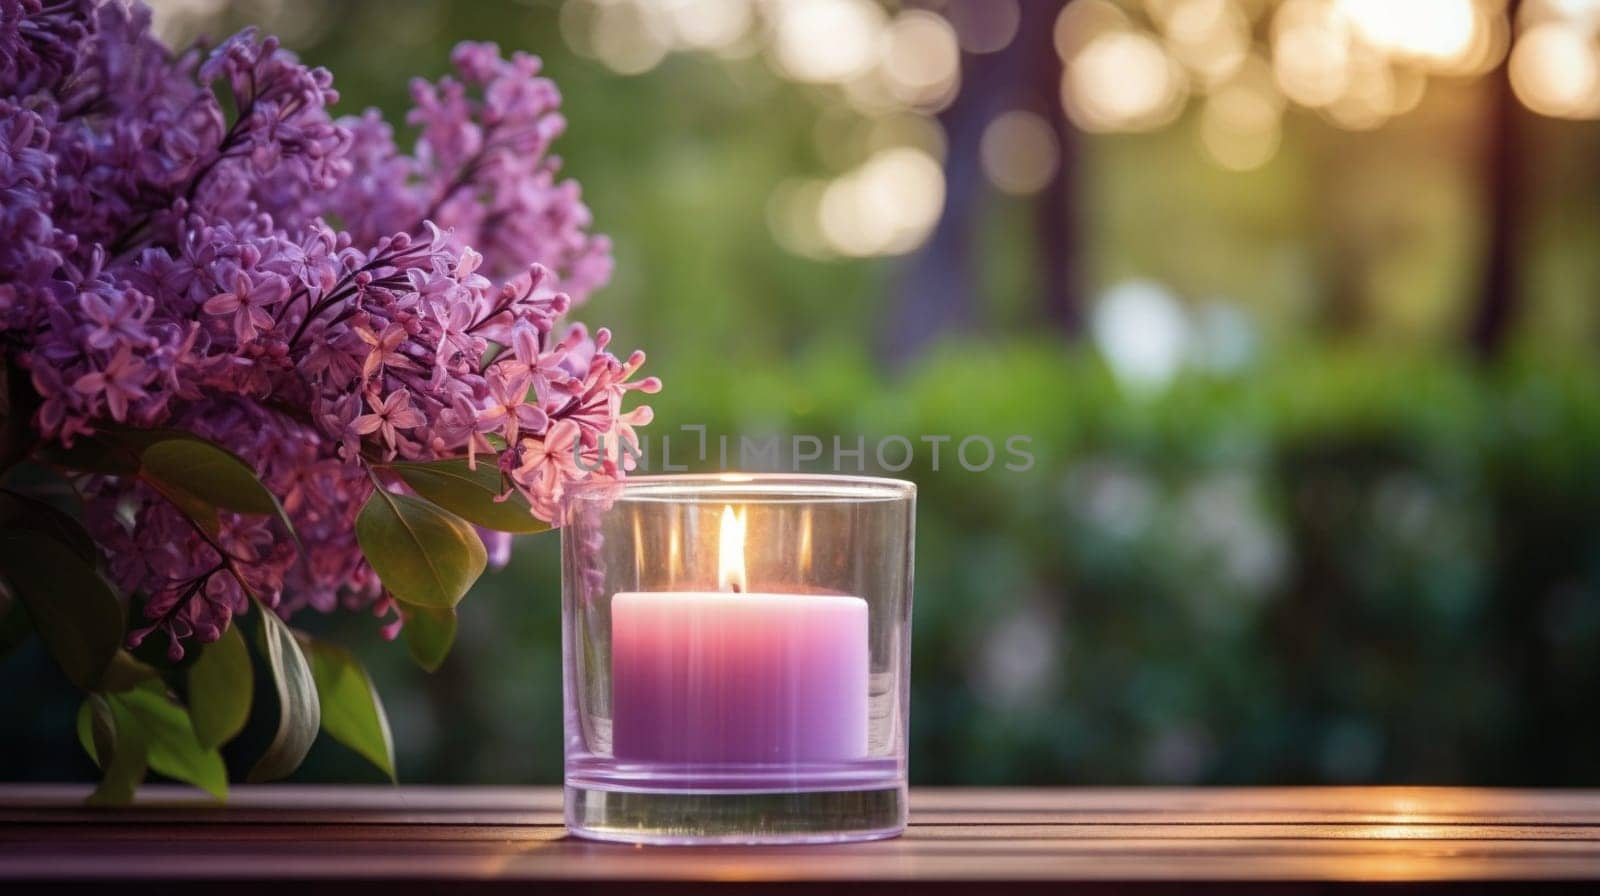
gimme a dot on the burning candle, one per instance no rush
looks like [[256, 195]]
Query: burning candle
[[738, 676], [736, 656]]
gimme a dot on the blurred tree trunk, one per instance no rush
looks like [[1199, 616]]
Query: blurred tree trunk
[[937, 290], [937, 293], [1505, 151], [1056, 221]]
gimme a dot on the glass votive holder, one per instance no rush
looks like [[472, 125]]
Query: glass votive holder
[[737, 656]]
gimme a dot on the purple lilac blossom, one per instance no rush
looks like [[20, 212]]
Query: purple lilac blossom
[[163, 263]]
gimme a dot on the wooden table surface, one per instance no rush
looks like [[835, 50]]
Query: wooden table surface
[[299, 840]]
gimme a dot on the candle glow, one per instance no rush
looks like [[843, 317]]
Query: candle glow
[[735, 654], [736, 674], [730, 552]]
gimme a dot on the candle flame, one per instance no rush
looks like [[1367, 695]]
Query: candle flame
[[730, 557], [805, 541]]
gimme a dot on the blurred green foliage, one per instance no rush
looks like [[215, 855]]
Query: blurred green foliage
[[1344, 566]]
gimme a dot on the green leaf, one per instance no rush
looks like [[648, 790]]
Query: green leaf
[[114, 741], [209, 473], [198, 509], [429, 632], [299, 711], [470, 493], [126, 672], [97, 728], [71, 606], [197, 476], [220, 689], [173, 748], [424, 555], [352, 714], [18, 511]]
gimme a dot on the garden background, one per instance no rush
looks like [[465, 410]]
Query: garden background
[[1297, 302]]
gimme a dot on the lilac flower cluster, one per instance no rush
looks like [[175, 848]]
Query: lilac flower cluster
[[165, 262]]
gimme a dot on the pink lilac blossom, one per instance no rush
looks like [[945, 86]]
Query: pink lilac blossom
[[163, 264]]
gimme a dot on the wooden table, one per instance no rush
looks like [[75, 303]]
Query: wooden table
[[297, 840]]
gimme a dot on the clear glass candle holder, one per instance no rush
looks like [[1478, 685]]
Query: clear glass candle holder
[[737, 656]]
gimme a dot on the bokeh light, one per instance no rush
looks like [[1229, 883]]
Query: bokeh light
[[984, 26], [1142, 331], [1020, 152], [1369, 97], [1122, 81], [1127, 67], [1576, 10], [630, 38], [1311, 52], [887, 206], [1554, 71], [1241, 123], [921, 58], [1211, 37], [1081, 21], [1437, 30], [715, 25], [826, 40]]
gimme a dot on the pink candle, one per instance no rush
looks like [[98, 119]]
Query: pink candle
[[729, 677]]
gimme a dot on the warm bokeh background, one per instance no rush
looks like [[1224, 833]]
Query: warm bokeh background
[[1297, 301]]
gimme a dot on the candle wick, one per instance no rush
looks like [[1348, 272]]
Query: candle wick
[[735, 587]]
